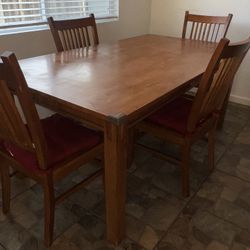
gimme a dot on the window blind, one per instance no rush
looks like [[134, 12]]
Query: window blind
[[18, 13]]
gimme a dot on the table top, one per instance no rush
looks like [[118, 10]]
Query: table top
[[120, 78]]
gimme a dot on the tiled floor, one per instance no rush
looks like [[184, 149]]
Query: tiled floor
[[216, 216]]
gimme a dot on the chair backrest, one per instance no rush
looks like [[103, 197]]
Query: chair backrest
[[205, 28], [74, 33], [13, 129], [217, 80]]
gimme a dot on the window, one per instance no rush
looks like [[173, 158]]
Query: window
[[19, 13]]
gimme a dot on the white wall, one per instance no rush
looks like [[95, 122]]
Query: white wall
[[134, 20], [167, 18]]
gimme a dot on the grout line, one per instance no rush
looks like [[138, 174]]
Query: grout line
[[5, 248], [228, 221], [28, 188], [235, 176]]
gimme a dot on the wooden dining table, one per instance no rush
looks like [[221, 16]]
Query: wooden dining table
[[112, 87]]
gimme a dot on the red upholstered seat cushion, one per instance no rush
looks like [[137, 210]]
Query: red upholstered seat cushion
[[174, 115], [64, 138]]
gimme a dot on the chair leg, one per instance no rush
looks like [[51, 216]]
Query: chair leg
[[211, 143], [5, 177], [49, 209], [185, 158]]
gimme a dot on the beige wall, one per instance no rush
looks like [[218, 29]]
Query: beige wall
[[134, 20], [167, 18]]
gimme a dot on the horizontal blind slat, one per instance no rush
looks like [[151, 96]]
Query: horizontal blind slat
[[47, 9], [17, 13]]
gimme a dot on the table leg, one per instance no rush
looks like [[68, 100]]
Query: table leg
[[130, 147], [115, 149]]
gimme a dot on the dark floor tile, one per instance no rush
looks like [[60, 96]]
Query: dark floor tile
[[12, 235], [237, 158], [77, 237], [168, 178], [203, 230], [63, 220], [19, 184], [226, 197], [32, 243], [237, 113]]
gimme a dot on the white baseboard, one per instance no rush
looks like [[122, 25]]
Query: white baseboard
[[240, 100], [234, 98]]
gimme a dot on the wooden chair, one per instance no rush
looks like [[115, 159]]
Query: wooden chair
[[45, 150], [205, 28], [208, 29], [184, 120], [74, 33]]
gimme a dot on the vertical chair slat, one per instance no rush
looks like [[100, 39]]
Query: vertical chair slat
[[200, 31], [213, 32], [205, 28], [208, 32], [66, 42], [192, 30], [74, 32], [204, 32], [78, 44], [73, 38], [83, 37], [87, 36], [70, 39], [196, 30], [218, 29]]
